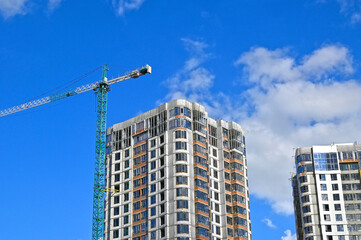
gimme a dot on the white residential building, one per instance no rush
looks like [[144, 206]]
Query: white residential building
[[180, 175], [327, 192]]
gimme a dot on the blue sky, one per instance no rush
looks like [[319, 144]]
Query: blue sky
[[287, 71]]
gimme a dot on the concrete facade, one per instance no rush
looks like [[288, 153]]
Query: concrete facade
[[180, 175], [327, 192]]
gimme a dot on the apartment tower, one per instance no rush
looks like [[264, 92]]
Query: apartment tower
[[327, 192], [177, 174]]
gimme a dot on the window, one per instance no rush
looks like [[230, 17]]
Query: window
[[182, 204], [117, 177], [126, 231], [324, 197], [116, 199], [308, 230], [153, 211], [307, 219], [152, 154], [126, 174], [126, 164], [181, 145], [162, 232], [326, 207], [126, 197], [303, 179], [126, 153], [153, 176], [336, 197], [201, 195], [199, 138], [161, 161], [152, 165], [116, 233], [215, 163], [180, 134], [126, 219], [328, 228], [215, 173], [152, 143], [116, 211], [182, 180], [304, 189], [325, 161], [153, 199], [182, 192], [179, 122], [322, 177], [153, 223], [162, 184], [126, 186], [337, 207], [182, 216], [181, 157], [126, 208], [116, 222], [117, 156], [216, 207], [161, 150], [117, 167], [305, 199], [327, 217], [339, 228], [335, 187], [333, 177], [218, 219], [181, 168], [182, 228], [216, 196], [162, 172], [323, 187], [200, 160], [338, 217], [215, 152], [153, 188]]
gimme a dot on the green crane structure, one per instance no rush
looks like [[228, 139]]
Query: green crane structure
[[102, 88]]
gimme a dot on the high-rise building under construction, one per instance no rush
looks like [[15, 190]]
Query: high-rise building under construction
[[327, 192], [176, 173]]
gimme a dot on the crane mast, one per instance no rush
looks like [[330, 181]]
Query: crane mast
[[102, 89], [100, 148]]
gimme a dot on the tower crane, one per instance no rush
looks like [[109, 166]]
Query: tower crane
[[102, 89]]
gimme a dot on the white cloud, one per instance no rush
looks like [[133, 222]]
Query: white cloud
[[289, 236], [327, 60], [295, 111], [351, 9], [269, 223], [291, 103], [126, 5], [53, 4], [10, 8], [266, 67], [195, 80]]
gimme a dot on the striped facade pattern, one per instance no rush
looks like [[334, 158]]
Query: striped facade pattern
[[178, 174]]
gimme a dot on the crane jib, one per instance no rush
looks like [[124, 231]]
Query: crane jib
[[59, 96]]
